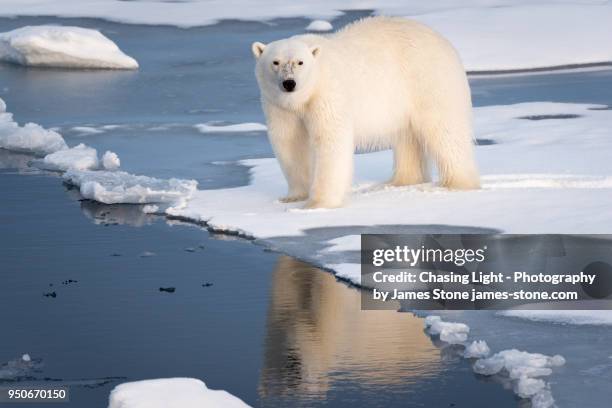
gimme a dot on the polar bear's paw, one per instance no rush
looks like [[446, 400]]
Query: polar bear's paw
[[292, 198]]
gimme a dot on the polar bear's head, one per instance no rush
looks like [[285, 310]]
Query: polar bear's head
[[286, 70]]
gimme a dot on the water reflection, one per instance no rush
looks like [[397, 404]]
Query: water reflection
[[318, 339]]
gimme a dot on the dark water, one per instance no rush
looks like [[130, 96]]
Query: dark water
[[272, 330]]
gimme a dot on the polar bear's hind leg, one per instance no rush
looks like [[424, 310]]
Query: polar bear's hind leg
[[409, 161]]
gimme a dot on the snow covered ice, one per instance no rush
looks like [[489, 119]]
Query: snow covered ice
[[171, 392], [115, 187], [524, 370], [110, 160], [63, 47], [452, 333], [235, 128], [82, 168], [30, 138], [80, 157], [477, 349], [551, 33], [536, 162]]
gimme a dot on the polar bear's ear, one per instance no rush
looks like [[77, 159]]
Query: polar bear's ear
[[258, 49], [315, 51]]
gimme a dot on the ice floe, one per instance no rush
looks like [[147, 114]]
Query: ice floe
[[477, 349], [171, 392], [319, 25], [62, 47], [520, 34], [452, 333], [82, 168], [30, 138], [80, 157], [523, 369], [119, 187], [235, 128]]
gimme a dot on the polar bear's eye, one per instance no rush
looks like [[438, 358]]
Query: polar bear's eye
[[275, 62], [300, 62]]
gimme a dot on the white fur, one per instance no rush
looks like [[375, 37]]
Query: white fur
[[380, 82]]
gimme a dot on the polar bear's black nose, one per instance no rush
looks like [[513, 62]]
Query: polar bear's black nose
[[289, 85]]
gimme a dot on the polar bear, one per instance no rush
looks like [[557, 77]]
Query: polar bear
[[378, 83]]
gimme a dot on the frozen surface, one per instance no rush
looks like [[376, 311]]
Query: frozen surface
[[477, 349], [171, 392], [535, 159], [64, 47], [524, 371], [236, 128], [452, 333], [113, 187], [30, 138], [574, 317], [319, 25], [520, 34], [110, 160], [80, 157]]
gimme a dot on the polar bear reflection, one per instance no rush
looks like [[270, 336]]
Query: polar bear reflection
[[317, 335]]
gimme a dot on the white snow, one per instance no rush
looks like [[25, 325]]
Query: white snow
[[30, 138], [519, 34], [80, 157], [574, 317], [477, 349], [171, 393], [537, 164], [114, 187], [319, 25], [235, 128], [110, 161], [62, 46]]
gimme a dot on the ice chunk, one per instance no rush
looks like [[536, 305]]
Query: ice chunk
[[110, 160], [171, 392], [429, 320], [527, 387], [116, 187], [211, 127], [62, 46], [150, 209], [30, 138], [523, 369], [319, 25], [477, 349], [26, 357], [80, 157], [452, 333]]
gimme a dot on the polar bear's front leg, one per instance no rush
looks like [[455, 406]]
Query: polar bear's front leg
[[332, 148], [292, 149]]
